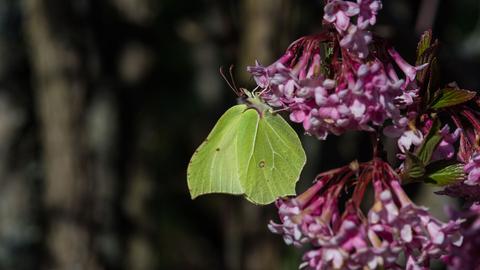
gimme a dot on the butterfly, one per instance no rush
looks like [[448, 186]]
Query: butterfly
[[251, 151]]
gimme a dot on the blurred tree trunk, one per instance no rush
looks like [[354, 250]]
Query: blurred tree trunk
[[260, 23], [140, 250], [101, 131], [426, 15], [20, 233], [59, 92]]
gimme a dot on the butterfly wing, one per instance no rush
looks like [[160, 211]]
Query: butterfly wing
[[259, 157], [271, 157], [214, 167]]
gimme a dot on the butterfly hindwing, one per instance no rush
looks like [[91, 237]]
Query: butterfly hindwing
[[273, 166]]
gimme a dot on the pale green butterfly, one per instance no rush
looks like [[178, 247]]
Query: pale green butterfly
[[251, 151]]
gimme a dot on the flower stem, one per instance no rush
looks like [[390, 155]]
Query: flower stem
[[377, 145]]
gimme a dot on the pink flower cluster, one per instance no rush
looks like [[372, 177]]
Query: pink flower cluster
[[346, 79], [466, 255], [349, 240], [354, 88], [354, 37]]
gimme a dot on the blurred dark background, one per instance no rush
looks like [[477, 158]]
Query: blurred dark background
[[103, 102]]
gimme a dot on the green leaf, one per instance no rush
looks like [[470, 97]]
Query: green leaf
[[424, 44], [444, 173], [427, 78], [426, 51], [433, 79], [450, 97], [430, 142], [249, 152], [325, 66]]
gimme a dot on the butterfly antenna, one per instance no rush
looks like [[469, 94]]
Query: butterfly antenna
[[231, 84], [232, 78], [263, 91], [281, 110]]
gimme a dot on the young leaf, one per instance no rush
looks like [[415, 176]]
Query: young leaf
[[414, 167], [424, 44], [426, 53], [430, 142], [325, 68], [432, 85], [444, 173], [450, 97], [427, 78]]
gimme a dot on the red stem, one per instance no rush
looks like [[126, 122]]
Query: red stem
[[469, 115]]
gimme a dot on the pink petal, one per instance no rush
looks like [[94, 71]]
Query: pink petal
[[342, 21], [437, 235], [406, 233], [473, 177], [352, 10], [297, 116], [358, 109]]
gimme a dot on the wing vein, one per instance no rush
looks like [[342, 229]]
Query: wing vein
[[273, 166], [280, 137], [254, 145]]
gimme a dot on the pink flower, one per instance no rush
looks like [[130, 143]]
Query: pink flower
[[409, 138], [472, 168], [356, 41], [409, 70], [445, 149], [339, 12], [334, 252], [298, 215], [368, 12], [413, 265]]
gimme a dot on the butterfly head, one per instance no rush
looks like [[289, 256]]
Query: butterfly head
[[254, 101], [251, 98]]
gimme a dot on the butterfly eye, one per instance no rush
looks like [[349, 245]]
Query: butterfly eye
[[246, 93]]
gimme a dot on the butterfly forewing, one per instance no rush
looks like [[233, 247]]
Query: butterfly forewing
[[214, 165]]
